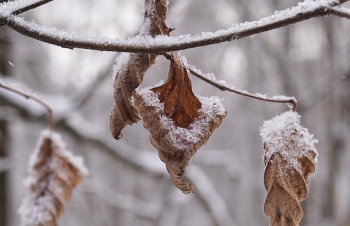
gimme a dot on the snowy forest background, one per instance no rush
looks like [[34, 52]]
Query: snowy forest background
[[128, 184]]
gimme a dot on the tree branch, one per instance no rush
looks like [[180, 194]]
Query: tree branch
[[20, 6], [161, 44], [31, 6], [27, 96], [222, 85], [340, 11]]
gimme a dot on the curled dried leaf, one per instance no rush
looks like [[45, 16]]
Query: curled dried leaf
[[178, 122], [290, 157], [130, 68], [53, 174]]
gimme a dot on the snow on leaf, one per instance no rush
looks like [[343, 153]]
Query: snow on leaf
[[178, 122], [53, 173], [130, 68], [290, 156]]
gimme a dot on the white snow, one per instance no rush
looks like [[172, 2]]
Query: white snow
[[284, 135], [145, 27], [182, 138], [121, 62], [150, 98]]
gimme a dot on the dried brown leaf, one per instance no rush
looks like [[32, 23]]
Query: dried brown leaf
[[290, 156], [179, 123], [180, 104], [53, 174], [155, 16], [131, 67]]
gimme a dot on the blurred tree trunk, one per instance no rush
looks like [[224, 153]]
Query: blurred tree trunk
[[3, 175], [4, 71]]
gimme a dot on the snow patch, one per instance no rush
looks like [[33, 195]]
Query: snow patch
[[121, 62], [182, 138], [284, 135]]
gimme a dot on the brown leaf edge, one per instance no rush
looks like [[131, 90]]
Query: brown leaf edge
[[131, 67], [53, 174], [128, 78], [290, 157], [175, 143]]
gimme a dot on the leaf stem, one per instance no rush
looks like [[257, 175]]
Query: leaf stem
[[28, 96]]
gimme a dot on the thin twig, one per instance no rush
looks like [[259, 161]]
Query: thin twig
[[45, 105], [18, 7], [288, 100], [163, 44], [31, 6], [340, 11]]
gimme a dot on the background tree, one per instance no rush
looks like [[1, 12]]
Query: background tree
[[128, 184]]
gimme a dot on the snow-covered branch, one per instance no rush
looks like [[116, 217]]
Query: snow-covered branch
[[33, 5], [20, 6], [160, 44], [341, 12], [224, 86], [28, 96]]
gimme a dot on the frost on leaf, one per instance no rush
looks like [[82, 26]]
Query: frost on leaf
[[179, 123], [130, 68], [290, 157], [53, 173]]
